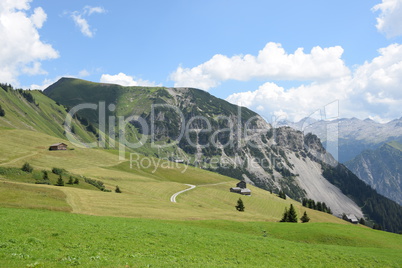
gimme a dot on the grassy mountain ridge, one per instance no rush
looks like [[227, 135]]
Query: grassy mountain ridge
[[39, 113]]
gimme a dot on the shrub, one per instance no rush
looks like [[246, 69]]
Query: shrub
[[117, 190], [45, 175], [76, 181], [58, 171], [27, 168]]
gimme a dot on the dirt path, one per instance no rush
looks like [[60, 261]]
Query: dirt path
[[18, 159], [173, 197]]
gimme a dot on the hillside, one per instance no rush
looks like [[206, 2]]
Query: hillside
[[381, 168], [211, 133], [203, 131], [146, 191], [146, 228], [32, 110]]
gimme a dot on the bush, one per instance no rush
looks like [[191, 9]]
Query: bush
[[58, 171], [27, 168], [76, 181], [118, 190]]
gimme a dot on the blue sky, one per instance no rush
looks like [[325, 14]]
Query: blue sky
[[283, 59]]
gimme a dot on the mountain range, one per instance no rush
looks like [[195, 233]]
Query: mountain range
[[193, 127]]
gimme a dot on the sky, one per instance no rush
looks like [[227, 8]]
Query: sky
[[283, 59]]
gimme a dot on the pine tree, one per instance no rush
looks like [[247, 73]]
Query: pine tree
[[117, 190], [2, 112], [292, 214], [282, 194], [60, 181], [45, 175], [319, 206], [362, 221], [285, 217], [240, 206], [70, 180], [305, 218]]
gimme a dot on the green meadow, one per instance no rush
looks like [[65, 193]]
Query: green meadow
[[39, 238], [79, 225]]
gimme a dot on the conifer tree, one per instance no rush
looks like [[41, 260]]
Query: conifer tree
[[45, 176], [60, 181], [292, 214], [70, 180], [2, 112], [305, 218], [240, 206], [285, 217]]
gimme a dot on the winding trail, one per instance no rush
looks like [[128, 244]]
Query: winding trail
[[173, 197], [18, 159]]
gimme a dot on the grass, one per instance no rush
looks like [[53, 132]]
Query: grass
[[36, 238], [146, 190], [18, 195]]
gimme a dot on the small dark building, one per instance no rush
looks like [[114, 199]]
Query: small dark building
[[241, 184], [352, 218], [58, 146], [241, 189]]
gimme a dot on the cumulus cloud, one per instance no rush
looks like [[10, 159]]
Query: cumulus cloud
[[272, 62], [389, 20], [80, 19], [372, 90], [126, 80], [21, 48]]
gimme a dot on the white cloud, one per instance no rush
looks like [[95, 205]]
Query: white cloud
[[389, 20], [272, 62], [126, 80], [82, 24], [80, 19], [90, 10], [83, 73], [21, 48], [373, 90]]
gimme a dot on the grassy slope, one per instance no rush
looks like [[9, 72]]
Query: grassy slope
[[146, 191], [48, 117], [34, 238], [395, 145]]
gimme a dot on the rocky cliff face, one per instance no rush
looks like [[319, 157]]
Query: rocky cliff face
[[382, 169]]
